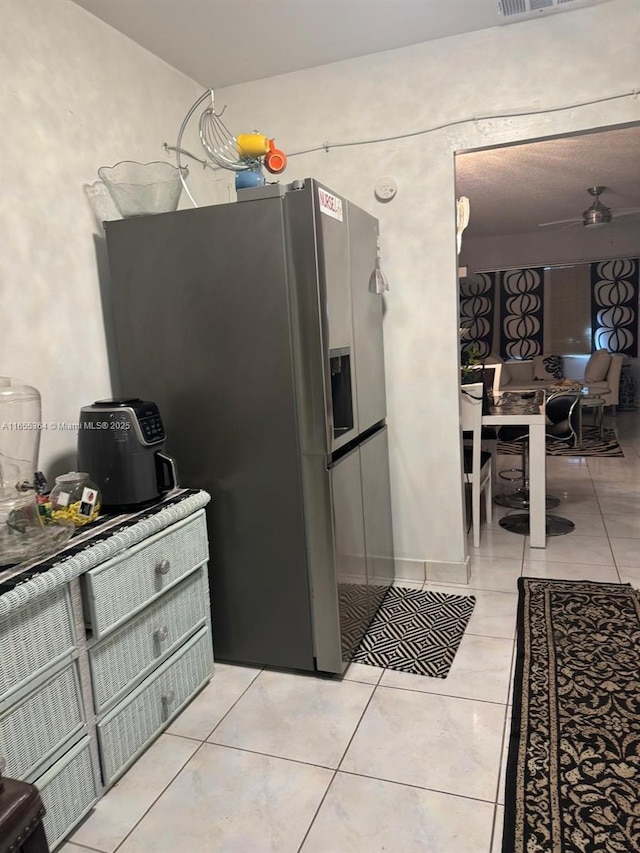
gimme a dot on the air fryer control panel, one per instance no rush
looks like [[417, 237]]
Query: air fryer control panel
[[145, 414], [152, 428]]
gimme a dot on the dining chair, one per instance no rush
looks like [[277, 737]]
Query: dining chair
[[493, 372], [563, 416], [477, 462], [491, 385]]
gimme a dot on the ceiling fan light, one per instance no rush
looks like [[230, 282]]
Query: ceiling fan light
[[595, 216]]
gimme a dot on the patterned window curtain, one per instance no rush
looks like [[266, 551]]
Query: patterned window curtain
[[521, 312], [476, 312], [614, 306]]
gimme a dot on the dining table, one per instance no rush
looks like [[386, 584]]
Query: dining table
[[526, 408]]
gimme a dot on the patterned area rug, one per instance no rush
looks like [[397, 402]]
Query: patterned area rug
[[415, 631], [573, 770], [592, 445]]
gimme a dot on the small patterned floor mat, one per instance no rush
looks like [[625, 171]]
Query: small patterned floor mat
[[416, 631]]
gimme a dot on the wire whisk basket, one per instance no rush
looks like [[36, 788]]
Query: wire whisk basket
[[224, 150]]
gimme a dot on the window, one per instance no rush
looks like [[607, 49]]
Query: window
[[567, 297]]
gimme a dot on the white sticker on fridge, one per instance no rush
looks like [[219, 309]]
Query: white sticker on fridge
[[330, 204]]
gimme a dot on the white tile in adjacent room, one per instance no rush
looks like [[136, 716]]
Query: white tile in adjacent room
[[567, 463], [590, 550], [116, 814], [610, 472], [564, 488], [624, 502], [585, 524], [621, 504], [626, 477], [623, 526], [626, 552], [304, 718], [577, 504], [424, 739], [362, 815], [232, 801]]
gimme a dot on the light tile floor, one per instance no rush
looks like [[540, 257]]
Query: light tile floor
[[382, 760]]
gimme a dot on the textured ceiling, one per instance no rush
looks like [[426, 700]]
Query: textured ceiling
[[512, 190]]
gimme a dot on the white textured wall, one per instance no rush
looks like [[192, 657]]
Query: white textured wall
[[621, 240], [536, 65], [76, 95]]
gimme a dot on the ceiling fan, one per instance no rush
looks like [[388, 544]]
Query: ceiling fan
[[594, 216]]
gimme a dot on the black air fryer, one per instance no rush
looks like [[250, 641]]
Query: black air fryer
[[120, 446]]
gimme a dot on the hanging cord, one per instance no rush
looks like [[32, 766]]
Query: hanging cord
[[326, 146]]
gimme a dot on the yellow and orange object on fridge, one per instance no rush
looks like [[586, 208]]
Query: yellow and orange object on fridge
[[253, 145]]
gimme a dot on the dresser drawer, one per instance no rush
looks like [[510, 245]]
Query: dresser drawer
[[120, 587], [136, 647], [33, 637], [130, 726], [35, 728], [68, 790]]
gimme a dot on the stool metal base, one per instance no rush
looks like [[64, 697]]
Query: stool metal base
[[511, 474], [520, 499], [555, 525]]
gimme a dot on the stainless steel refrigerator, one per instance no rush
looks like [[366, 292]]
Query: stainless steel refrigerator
[[255, 328]]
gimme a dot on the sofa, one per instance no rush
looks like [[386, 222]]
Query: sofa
[[599, 370]]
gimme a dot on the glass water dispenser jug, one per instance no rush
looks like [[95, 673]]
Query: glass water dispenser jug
[[23, 534]]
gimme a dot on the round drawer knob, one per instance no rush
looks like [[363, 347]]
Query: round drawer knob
[[163, 567]]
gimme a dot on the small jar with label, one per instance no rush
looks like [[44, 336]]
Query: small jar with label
[[75, 498]]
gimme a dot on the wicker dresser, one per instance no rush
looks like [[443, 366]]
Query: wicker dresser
[[101, 646]]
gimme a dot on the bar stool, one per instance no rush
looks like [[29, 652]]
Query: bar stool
[[21, 813], [563, 412], [520, 498]]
